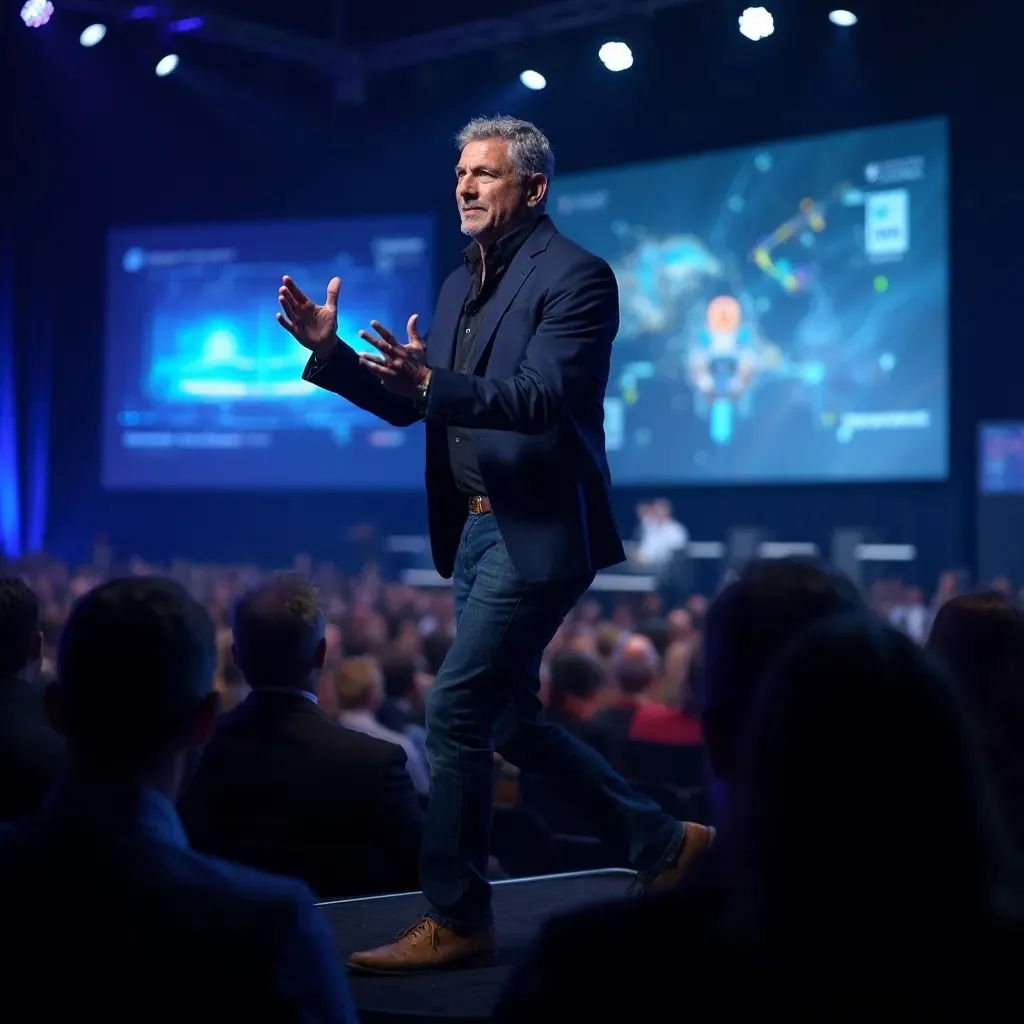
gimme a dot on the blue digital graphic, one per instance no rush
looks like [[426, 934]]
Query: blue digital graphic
[[783, 309], [204, 389], [1001, 458]]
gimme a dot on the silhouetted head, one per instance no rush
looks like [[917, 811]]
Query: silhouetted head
[[747, 626], [401, 674], [279, 633], [134, 690], [861, 794], [573, 677], [21, 640], [636, 664], [981, 638]]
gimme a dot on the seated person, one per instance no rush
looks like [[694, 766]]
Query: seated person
[[285, 788], [31, 753], [107, 912]]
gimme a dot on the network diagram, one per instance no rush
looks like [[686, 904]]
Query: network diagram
[[697, 315]]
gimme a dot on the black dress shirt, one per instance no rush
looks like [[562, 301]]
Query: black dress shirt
[[491, 269]]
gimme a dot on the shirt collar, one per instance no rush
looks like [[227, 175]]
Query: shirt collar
[[506, 247], [292, 691]]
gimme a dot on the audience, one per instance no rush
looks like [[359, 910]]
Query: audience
[[756, 617], [845, 784], [284, 788], [636, 672], [359, 691], [981, 638], [574, 682], [107, 912], [31, 753]]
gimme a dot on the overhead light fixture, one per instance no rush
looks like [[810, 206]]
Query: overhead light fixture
[[757, 23], [533, 80], [36, 13], [844, 19], [92, 35], [616, 56], [166, 65]]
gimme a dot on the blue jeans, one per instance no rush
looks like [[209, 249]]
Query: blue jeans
[[485, 698]]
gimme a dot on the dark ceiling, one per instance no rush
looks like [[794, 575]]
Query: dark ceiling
[[365, 21]]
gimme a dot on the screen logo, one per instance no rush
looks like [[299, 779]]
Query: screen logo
[[887, 223]]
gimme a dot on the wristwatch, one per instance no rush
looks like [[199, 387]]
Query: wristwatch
[[423, 391]]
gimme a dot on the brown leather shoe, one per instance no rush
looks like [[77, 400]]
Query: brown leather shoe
[[425, 946], [696, 839]]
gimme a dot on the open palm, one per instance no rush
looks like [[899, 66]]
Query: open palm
[[312, 326]]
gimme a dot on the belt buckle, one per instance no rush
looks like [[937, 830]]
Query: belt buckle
[[476, 505]]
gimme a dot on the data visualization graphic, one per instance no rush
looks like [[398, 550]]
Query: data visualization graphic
[[783, 309], [204, 389]]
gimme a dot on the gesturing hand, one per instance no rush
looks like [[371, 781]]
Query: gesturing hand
[[402, 368], [315, 327]]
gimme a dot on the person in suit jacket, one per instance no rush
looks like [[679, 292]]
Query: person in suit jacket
[[518, 496], [108, 913], [31, 753], [285, 788]]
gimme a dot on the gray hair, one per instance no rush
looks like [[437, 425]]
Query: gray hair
[[528, 147]]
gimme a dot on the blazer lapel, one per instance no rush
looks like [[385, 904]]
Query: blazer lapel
[[508, 289], [441, 339]]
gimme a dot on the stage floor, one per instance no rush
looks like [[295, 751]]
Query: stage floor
[[521, 906]]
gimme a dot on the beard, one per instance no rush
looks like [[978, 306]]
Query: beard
[[467, 229]]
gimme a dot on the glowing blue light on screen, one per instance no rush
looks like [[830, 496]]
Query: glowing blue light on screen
[[221, 346], [133, 261]]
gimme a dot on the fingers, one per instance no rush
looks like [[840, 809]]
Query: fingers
[[287, 325], [376, 365], [297, 294], [412, 331], [333, 288], [388, 348], [288, 304], [384, 332]]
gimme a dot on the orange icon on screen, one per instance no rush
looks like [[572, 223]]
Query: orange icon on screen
[[724, 314]]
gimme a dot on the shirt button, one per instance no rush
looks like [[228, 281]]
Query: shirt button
[[458, 440], [469, 330]]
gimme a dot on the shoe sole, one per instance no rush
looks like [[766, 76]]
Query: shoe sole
[[478, 960]]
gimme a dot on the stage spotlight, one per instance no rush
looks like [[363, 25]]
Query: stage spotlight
[[92, 35], [167, 65], [533, 80], [36, 13], [757, 23], [844, 19], [616, 56]]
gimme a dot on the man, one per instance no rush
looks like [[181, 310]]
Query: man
[[107, 912], [518, 495], [748, 626], [282, 786], [31, 753]]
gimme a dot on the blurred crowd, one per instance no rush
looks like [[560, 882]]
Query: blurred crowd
[[862, 757]]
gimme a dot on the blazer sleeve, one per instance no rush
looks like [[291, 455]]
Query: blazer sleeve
[[342, 373], [308, 975], [569, 352]]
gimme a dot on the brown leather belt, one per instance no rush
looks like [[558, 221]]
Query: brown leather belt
[[479, 505]]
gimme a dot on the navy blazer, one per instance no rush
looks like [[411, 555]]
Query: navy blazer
[[533, 397], [108, 915]]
